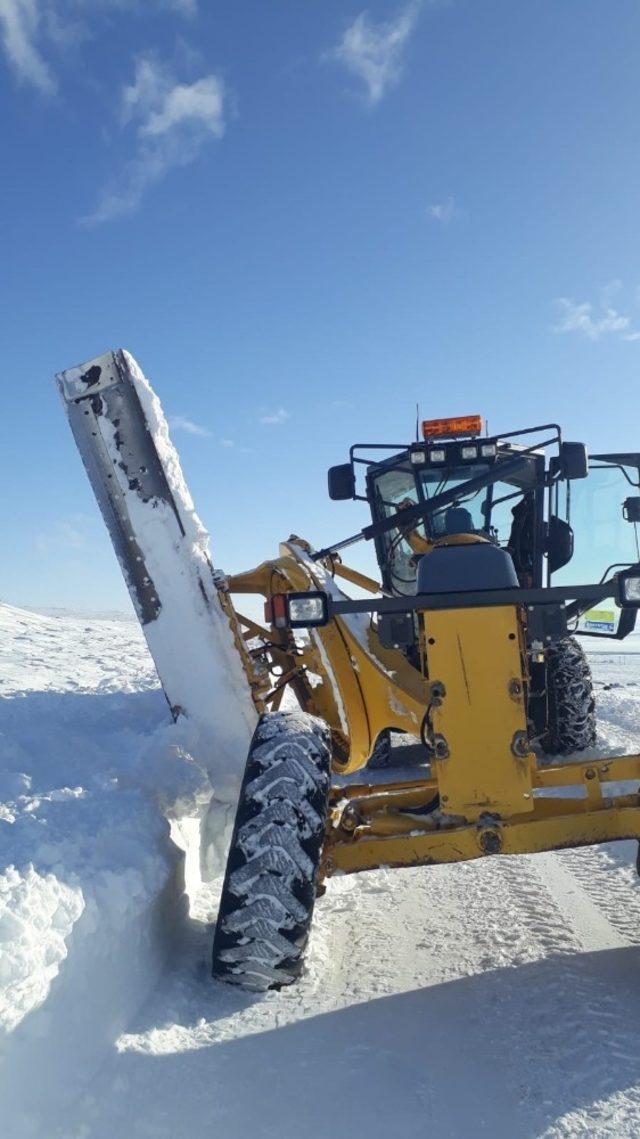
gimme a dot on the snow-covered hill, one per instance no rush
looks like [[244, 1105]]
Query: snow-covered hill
[[495, 998]]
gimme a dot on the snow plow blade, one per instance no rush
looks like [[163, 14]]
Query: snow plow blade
[[162, 547]]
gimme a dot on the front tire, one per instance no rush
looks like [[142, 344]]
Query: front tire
[[270, 883], [571, 717]]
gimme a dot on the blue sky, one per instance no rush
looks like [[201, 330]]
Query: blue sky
[[303, 218]]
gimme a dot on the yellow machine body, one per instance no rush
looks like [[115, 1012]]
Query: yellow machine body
[[481, 720], [469, 697]]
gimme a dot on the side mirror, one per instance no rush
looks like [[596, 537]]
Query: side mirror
[[342, 482], [631, 509], [574, 461], [559, 543]]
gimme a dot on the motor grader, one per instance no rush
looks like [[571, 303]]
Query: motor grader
[[469, 644]]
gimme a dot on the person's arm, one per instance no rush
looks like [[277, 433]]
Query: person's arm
[[418, 544]]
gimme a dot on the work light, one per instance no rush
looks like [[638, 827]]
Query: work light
[[469, 453], [629, 588], [297, 610]]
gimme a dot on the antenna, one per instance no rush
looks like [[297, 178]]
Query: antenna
[[417, 423]]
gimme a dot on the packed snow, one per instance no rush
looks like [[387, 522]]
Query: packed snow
[[499, 997]]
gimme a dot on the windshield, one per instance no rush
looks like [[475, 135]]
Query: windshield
[[501, 512]]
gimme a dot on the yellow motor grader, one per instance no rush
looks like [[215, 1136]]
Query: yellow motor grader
[[470, 644]]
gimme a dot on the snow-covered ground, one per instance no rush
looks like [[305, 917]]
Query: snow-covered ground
[[499, 997]]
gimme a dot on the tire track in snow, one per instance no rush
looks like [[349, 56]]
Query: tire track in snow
[[607, 877], [577, 1016], [514, 912]]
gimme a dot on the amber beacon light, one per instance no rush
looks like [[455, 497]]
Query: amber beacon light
[[457, 425]]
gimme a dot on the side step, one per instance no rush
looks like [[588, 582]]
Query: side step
[[162, 546]]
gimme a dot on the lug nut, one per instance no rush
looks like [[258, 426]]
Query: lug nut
[[520, 745], [441, 747], [350, 818]]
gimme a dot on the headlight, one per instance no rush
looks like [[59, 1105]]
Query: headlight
[[469, 453], [297, 610], [309, 609], [629, 587]]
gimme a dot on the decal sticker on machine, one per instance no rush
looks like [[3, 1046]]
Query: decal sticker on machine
[[600, 620]]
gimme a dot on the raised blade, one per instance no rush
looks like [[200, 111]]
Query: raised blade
[[161, 544], [118, 451]]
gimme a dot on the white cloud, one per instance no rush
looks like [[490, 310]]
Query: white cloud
[[372, 50], [183, 423], [31, 30], [227, 443], [172, 122], [20, 31], [279, 416], [443, 211], [582, 318], [161, 105]]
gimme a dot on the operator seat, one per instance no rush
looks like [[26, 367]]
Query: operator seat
[[466, 565]]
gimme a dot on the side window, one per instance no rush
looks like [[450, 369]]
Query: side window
[[603, 537]]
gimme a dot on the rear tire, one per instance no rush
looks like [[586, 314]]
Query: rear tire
[[571, 719], [270, 883]]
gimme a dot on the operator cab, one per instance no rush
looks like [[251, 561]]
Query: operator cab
[[502, 512], [556, 515]]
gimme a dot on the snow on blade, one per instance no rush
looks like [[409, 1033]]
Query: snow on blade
[[163, 548]]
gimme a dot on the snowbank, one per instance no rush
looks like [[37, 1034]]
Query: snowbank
[[93, 775]]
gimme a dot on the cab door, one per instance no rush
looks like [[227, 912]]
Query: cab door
[[603, 511]]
